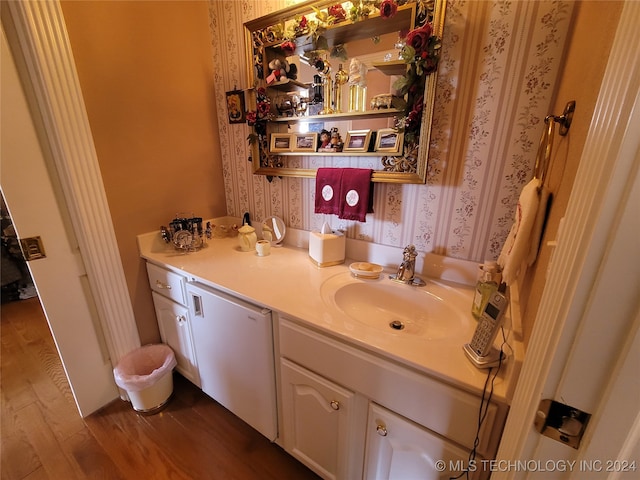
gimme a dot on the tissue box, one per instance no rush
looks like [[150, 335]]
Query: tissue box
[[327, 249]]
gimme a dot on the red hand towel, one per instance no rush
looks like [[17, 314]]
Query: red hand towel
[[356, 194], [328, 199]]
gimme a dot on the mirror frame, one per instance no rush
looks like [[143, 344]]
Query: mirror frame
[[276, 224], [419, 176]]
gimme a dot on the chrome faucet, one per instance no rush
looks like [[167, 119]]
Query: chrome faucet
[[407, 269]]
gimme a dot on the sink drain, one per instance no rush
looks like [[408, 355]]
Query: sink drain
[[396, 325]]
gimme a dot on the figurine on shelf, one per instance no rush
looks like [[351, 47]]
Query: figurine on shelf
[[281, 69], [325, 140], [336, 140], [330, 141]]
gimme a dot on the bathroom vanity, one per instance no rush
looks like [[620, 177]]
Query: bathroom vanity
[[347, 397]]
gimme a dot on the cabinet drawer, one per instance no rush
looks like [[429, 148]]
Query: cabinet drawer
[[167, 283], [444, 409]]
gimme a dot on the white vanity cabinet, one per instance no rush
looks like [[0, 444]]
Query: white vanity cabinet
[[174, 322], [400, 421], [399, 449], [320, 422]]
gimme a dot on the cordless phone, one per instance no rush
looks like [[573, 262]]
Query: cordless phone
[[480, 350]]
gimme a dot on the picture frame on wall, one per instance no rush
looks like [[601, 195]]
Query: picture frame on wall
[[389, 140], [357, 141], [304, 142], [280, 142], [235, 106]]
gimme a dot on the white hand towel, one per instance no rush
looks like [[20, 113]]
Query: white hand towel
[[538, 225], [516, 248]]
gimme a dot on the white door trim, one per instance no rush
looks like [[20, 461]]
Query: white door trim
[[608, 165], [42, 39]]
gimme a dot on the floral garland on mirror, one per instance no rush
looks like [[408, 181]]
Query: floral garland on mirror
[[258, 119], [285, 34], [421, 52]]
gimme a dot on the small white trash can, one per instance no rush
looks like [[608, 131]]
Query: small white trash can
[[146, 375]]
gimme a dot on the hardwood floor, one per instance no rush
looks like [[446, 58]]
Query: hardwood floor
[[43, 436]]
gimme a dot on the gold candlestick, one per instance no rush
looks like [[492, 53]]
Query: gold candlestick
[[340, 79]]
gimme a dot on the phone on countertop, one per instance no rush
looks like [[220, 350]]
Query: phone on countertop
[[480, 350]]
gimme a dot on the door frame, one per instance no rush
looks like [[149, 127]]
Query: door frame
[[37, 36], [585, 243]]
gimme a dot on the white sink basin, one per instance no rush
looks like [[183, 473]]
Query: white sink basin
[[432, 312]]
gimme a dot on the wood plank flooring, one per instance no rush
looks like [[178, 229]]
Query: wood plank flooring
[[43, 436]]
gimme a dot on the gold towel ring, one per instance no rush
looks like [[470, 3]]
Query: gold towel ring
[[543, 158]]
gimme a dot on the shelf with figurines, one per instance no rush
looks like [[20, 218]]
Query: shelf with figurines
[[384, 142], [310, 106]]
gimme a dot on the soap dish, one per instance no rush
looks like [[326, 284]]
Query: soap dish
[[365, 270]]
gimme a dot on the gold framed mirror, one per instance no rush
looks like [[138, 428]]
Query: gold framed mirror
[[329, 69]]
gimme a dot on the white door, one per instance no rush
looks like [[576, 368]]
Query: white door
[[60, 278], [584, 350]]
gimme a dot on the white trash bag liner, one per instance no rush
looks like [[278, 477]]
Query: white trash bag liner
[[146, 375]]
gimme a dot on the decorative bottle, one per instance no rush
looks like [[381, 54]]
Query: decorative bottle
[[488, 281], [357, 86]]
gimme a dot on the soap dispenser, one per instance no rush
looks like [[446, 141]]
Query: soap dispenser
[[489, 277], [327, 247]]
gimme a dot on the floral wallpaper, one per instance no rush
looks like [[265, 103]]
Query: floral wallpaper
[[496, 78]]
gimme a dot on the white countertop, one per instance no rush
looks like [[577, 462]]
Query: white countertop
[[288, 282]]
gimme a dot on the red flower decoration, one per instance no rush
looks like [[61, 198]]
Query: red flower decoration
[[251, 117], [303, 23], [289, 47], [263, 108], [337, 12], [419, 38], [388, 8]]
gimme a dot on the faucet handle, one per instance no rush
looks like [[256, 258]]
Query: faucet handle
[[410, 252]]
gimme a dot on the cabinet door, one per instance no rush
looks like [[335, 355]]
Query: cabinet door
[[398, 449], [175, 330], [320, 425]]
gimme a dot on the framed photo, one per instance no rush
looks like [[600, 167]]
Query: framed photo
[[304, 142], [280, 142], [235, 106], [389, 140], [357, 141]]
